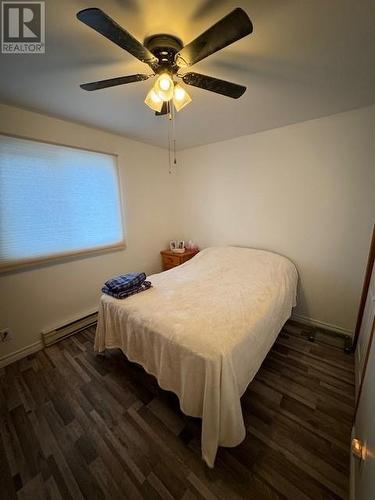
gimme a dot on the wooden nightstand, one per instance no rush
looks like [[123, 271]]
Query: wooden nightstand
[[171, 259]]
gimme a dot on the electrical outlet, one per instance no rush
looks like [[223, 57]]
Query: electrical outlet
[[6, 335]]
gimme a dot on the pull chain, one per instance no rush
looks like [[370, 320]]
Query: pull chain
[[171, 138]]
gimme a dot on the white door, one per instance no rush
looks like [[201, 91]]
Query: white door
[[363, 469], [366, 326]]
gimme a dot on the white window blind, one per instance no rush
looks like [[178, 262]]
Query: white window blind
[[56, 201]]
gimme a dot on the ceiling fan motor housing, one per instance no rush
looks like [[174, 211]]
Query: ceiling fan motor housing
[[164, 47]]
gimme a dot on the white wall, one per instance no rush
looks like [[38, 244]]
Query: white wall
[[48, 295], [306, 191]]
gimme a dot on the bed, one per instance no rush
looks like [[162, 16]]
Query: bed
[[203, 330]]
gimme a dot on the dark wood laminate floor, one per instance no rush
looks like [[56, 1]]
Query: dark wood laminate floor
[[75, 426]]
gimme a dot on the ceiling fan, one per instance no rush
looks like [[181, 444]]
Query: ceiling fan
[[167, 56]]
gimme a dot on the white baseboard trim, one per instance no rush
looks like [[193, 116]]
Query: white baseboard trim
[[321, 324], [21, 353], [38, 345]]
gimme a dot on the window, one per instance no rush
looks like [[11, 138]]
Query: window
[[56, 201]]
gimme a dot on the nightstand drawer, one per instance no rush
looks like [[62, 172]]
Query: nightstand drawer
[[171, 260], [166, 267]]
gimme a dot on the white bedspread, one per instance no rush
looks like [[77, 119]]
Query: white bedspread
[[203, 331]]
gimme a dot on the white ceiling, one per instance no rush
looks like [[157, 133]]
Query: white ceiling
[[305, 59]]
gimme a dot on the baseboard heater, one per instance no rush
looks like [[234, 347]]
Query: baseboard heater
[[52, 336]]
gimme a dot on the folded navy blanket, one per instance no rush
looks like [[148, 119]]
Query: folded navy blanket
[[122, 294], [125, 282]]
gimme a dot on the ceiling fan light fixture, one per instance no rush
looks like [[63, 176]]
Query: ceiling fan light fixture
[[164, 87], [180, 97], [153, 100]]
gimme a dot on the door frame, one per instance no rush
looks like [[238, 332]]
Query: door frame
[[365, 288]]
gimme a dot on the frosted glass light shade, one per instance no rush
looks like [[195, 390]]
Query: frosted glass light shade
[[153, 101], [180, 97]]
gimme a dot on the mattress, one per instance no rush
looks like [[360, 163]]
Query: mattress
[[203, 330]]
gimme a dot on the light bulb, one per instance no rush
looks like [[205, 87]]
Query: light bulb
[[165, 82], [164, 87], [180, 97], [153, 100]]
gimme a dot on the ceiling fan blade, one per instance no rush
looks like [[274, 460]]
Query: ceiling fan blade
[[112, 82], [164, 109], [229, 29], [214, 85], [103, 24]]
